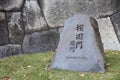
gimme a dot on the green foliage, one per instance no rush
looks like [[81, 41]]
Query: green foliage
[[36, 67]]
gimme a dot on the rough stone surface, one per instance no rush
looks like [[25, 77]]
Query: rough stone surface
[[118, 5], [60, 29], [9, 50], [3, 30], [107, 7], [108, 36], [40, 41], [33, 17], [57, 11], [116, 24], [11, 5], [80, 47], [15, 26]]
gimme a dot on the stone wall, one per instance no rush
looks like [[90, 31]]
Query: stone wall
[[28, 26]]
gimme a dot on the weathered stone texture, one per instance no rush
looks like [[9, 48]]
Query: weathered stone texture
[[3, 30], [33, 17], [15, 26], [11, 5], [10, 50], [109, 38], [118, 5], [107, 7], [40, 41], [60, 29], [116, 24], [80, 47], [57, 11]]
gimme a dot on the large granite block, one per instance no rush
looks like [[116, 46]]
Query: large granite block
[[116, 23], [10, 50], [11, 5], [57, 11], [3, 30], [33, 17], [107, 7], [40, 41], [15, 27], [108, 35], [80, 47]]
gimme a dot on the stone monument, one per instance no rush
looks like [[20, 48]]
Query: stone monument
[[80, 47]]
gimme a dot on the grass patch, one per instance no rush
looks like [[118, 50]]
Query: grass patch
[[36, 67]]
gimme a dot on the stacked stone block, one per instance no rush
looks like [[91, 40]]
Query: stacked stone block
[[29, 26]]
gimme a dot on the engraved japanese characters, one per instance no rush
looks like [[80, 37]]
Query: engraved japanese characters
[[80, 47]]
